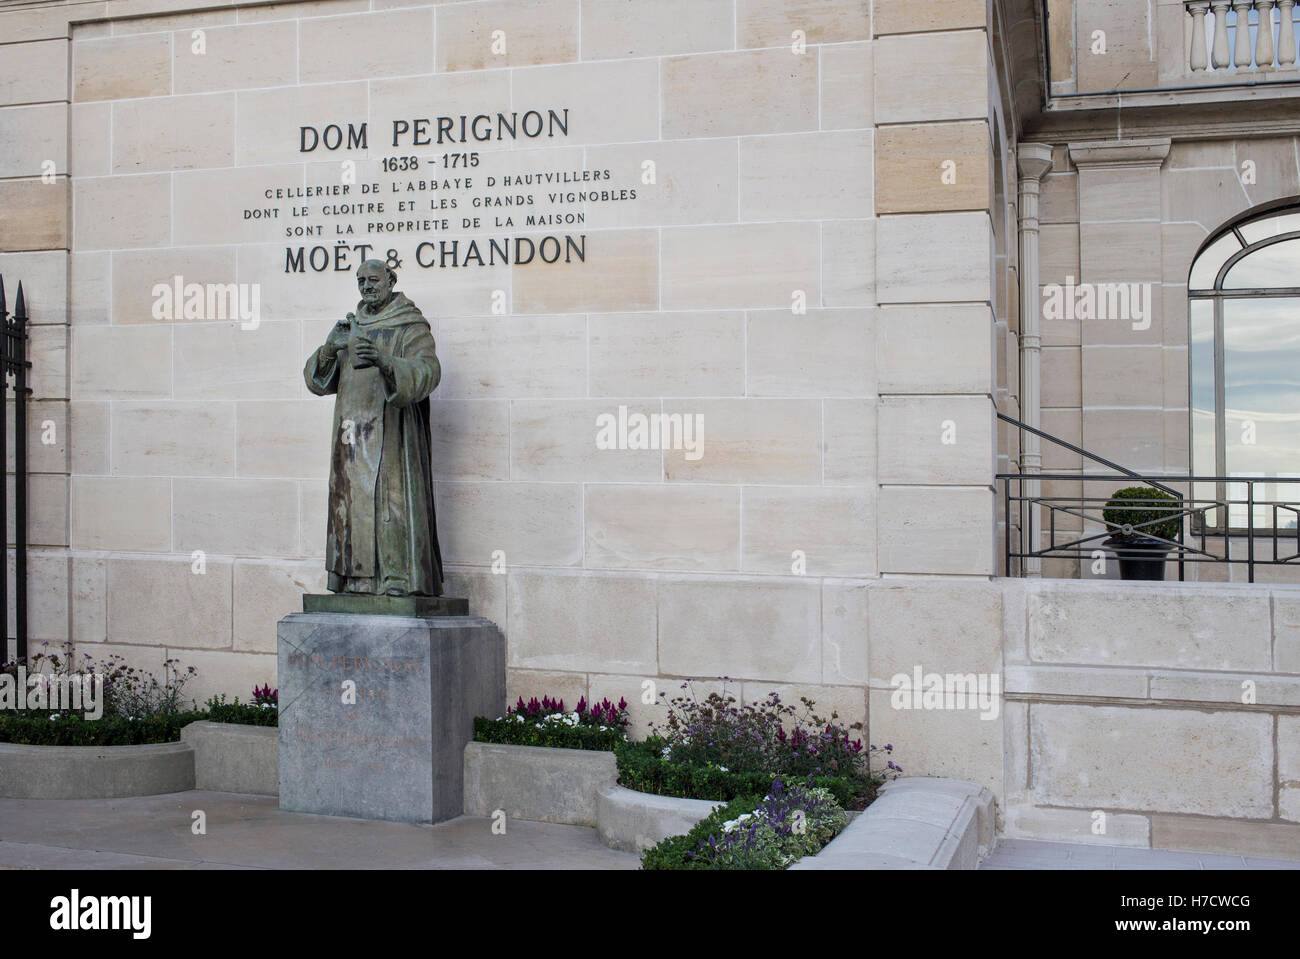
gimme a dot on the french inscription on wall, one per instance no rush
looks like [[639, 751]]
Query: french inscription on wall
[[452, 194]]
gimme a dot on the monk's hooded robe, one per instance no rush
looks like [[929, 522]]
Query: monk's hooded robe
[[382, 536]]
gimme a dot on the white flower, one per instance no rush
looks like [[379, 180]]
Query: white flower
[[519, 717], [53, 716], [667, 751], [723, 769]]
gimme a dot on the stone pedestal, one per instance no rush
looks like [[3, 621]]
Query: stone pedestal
[[375, 711]]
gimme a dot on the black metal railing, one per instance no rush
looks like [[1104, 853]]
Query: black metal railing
[[1250, 520], [14, 362]]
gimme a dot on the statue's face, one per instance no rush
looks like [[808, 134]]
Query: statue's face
[[375, 286]]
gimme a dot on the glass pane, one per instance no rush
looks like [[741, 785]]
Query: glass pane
[[1271, 266], [1207, 265], [1201, 344], [1269, 226], [1261, 368]]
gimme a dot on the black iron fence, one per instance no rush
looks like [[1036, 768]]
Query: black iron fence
[[1249, 520], [14, 363]]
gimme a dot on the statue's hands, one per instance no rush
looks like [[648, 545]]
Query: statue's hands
[[372, 354], [337, 341]]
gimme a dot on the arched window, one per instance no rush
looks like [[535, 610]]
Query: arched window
[[1244, 359]]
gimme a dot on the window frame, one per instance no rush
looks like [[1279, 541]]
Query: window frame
[[1216, 295]]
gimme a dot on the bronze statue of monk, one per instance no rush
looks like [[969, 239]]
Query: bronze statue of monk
[[381, 366]]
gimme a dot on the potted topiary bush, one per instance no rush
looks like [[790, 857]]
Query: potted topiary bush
[[1142, 529]]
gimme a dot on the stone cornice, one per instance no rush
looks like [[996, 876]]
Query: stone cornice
[[1144, 152]]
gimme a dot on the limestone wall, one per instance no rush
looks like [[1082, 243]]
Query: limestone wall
[[1164, 716], [811, 271]]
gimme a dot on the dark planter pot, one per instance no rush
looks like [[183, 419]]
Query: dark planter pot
[[1140, 557]]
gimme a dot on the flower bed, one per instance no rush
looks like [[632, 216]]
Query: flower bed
[[771, 833], [709, 748], [545, 722]]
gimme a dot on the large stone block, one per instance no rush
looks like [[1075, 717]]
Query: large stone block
[[954, 743], [118, 68], [770, 23], [173, 133], [765, 629], [531, 524], [121, 362], [236, 517], [820, 353], [1288, 767], [820, 532], [845, 631], [934, 349], [694, 182], [260, 131], [397, 751], [848, 442], [1130, 624], [748, 441], [667, 354], [905, 16], [933, 167], [941, 626], [1126, 57], [287, 438], [1286, 631], [35, 72], [237, 58], [1265, 840], [934, 258], [536, 784], [616, 30], [619, 269], [31, 137], [265, 592], [739, 94], [611, 102], [470, 439], [186, 607], [569, 440], [117, 212], [1161, 760], [957, 77], [557, 617], [34, 215], [173, 439], [935, 530], [847, 98], [834, 178], [936, 440], [121, 513], [328, 48], [536, 31], [754, 266], [662, 527], [512, 356], [848, 255]]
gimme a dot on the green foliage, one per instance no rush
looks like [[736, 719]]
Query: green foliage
[[44, 728], [643, 767], [1138, 505], [788, 823], [246, 714], [678, 852], [511, 732]]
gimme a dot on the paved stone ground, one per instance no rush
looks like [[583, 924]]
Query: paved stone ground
[[250, 832], [1037, 854]]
